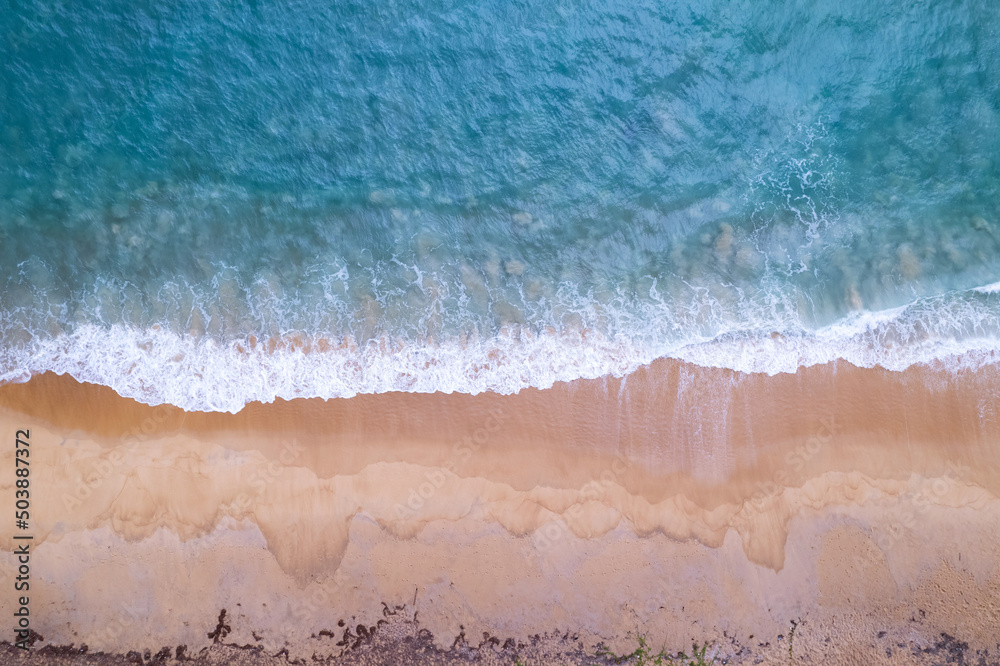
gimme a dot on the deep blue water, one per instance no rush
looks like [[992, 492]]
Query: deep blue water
[[490, 195]]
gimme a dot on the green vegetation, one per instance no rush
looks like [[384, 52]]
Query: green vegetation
[[791, 638], [643, 656]]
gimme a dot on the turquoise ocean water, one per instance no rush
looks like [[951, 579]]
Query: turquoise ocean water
[[207, 203]]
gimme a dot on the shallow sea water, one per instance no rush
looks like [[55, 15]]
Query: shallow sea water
[[213, 203]]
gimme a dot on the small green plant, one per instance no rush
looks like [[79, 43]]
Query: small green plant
[[643, 656], [697, 658]]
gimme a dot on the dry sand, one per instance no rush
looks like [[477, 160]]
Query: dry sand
[[683, 504]]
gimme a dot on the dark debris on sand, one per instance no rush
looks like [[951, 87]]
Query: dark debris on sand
[[398, 640]]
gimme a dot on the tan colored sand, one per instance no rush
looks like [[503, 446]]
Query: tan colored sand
[[678, 501]]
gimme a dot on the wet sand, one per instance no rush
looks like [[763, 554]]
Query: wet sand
[[681, 503]]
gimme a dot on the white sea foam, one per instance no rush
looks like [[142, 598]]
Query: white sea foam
[[157, 366], [989, 289], [161, 367]]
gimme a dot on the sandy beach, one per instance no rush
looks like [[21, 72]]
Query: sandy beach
[[500, 333], [837, 515]]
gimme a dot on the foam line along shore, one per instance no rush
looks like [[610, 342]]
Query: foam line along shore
[[957, 330]]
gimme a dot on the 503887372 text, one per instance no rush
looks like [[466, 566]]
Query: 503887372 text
[[22, 540]]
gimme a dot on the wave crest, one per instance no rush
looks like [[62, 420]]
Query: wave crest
[[157, 366]]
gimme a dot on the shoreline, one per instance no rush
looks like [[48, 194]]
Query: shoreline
[[200, 372], [680, 499]]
